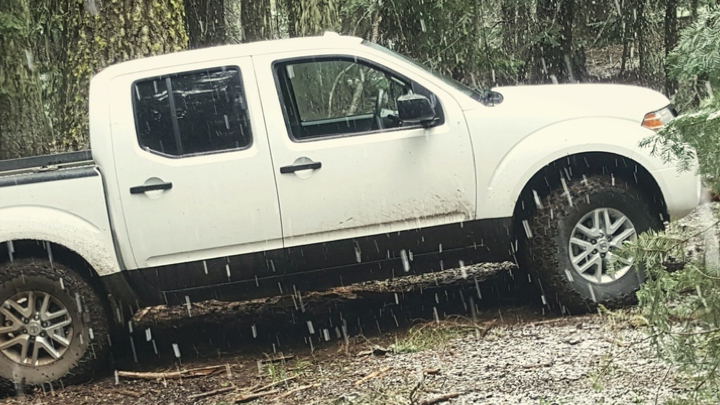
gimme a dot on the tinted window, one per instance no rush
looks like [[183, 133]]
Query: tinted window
[[192, 112]]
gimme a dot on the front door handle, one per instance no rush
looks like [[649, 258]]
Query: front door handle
[[150, 187], [303, 166]]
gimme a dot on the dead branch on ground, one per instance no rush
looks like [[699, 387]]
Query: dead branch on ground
[[440, 398], [191, 373], [372, 375], [252, 396], [298, 389], [212, 393]]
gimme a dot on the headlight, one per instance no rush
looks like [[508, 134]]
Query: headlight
[[658, 119]]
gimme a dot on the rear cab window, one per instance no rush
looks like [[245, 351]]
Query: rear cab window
[[192, 113]]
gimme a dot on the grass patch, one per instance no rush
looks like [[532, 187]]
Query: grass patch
[[426, 336], [281, 370]]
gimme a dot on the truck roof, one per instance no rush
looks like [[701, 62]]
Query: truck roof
[[330, 39]]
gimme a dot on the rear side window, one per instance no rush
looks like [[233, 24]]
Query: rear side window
[[192, 113]]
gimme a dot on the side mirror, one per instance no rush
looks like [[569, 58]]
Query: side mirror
[[494, 98], [416, 109]]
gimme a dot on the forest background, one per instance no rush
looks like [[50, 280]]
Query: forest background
[[49, 49]]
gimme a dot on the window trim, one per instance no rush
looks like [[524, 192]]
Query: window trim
[[176, 133], [279, 63]]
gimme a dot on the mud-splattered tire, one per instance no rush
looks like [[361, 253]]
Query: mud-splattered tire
[[567, 270], [50, 307]]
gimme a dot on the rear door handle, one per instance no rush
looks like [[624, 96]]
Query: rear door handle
[[304, 166], [150, 187]]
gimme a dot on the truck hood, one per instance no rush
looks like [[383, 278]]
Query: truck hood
[[568, 101]]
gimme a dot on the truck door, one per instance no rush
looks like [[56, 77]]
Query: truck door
[[354, 183], [193, 166]]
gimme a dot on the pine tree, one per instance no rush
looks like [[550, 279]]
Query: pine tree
[[682, 306]]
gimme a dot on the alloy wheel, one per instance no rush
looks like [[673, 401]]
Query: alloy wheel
[[593, 240], [35, 328]]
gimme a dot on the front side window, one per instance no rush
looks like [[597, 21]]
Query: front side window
[[336, 96], [192, 113]]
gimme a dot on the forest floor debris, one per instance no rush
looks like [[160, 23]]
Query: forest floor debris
[[525, 359]]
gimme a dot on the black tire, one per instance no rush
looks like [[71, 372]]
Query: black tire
[[87, 333], [547, 252]]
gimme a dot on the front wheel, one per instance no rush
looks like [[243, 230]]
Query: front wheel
[[573, 239], [53, 326]]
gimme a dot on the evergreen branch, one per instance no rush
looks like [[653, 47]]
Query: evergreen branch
[[711, 373], [662, 383], [687, 239], [699, 333], [677, 243], [706, 275]]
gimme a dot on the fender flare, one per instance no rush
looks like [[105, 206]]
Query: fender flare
[[537, 150], [93, 244]]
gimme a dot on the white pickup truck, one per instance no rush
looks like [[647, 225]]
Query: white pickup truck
[[253, 170]]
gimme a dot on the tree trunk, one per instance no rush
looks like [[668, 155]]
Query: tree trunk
[[554, 55], [627, 40], [25, 129], [291, 10], [102, 34], [256, 20], [311, 17], [509, 18], [205, 22], [671, 38], [516, 29], [640, 26]]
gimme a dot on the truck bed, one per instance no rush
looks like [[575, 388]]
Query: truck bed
[[45, 162], [36, 169]]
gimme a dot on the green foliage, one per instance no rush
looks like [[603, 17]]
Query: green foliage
[[698, 51], [10, 25], [461, 39], [697, 133], [691, 135], [683, 307], [311, 17], [695, 62]]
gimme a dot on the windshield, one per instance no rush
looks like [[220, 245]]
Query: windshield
[[450, 81]]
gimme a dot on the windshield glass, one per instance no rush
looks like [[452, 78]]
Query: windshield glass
[[450, 81]]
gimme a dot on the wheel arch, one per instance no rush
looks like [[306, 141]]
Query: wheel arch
[[57, 236], [548, 178], [530, 157], [50, 227]]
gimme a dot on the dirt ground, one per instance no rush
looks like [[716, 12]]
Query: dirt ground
[[463, 337]]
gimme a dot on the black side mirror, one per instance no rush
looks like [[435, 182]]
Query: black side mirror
[[494, 98], [416, 109]]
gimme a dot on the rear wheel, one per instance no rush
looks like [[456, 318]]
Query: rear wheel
[[574, 238], [53, 326]]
